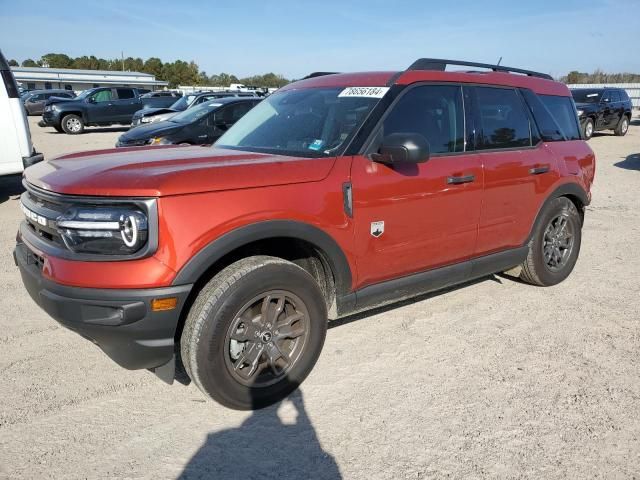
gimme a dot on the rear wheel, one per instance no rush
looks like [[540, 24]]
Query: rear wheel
[[588, 129], [254, 332], [72, 124], [555, 244], [623, 127]]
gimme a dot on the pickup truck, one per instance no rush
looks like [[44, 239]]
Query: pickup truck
[[102, 106]]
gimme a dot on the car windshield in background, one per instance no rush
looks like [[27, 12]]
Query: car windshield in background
[[193, 114], [586, 96], [183, 103], [313, 122]]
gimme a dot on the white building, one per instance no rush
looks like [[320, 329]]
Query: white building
[[38, 78]]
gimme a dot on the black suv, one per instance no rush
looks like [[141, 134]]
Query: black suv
[[97, 106], [603, 109], [151, 115]]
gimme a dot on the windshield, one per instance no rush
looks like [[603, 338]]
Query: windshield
[[194, 114], [312, 122], [183, 103], [85, 94], [586, 96]]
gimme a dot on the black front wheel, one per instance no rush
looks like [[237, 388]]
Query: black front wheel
[[254, 332], [623, 127], [72, 124], [588, 129]]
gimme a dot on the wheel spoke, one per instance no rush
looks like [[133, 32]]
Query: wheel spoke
[[275, 353], [249, 360], [290, 331]]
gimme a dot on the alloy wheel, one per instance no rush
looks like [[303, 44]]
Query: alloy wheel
[[558, 241], [266, 338]]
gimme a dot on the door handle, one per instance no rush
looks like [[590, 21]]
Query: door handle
[[539, 170], [456, 180]]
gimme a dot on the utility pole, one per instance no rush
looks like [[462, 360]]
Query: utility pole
[[122, 55]]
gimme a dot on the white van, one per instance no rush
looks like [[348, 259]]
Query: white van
[[16, 150]]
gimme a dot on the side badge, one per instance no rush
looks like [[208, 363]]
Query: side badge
[[377, 228]]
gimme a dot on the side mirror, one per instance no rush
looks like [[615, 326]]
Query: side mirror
[[91, 100], [403, 148]]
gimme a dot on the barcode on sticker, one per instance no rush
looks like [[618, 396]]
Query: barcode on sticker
[[370, 92]]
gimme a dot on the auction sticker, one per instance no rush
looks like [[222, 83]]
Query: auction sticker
[[370, 92]]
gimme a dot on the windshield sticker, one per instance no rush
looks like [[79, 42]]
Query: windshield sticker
[[369, 92], [593, 95], [316, 145]]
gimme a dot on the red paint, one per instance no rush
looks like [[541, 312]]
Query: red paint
[[204, 193]]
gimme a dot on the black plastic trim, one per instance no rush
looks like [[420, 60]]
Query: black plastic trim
[[440, 64], [119, 321], [32, 160], [399, 289], [269, 229]]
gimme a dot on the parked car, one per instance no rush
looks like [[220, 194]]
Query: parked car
[[160, 99], [200, 125], [35, 100], [336, 194], [603, 109], [16, 150], [150, 115], [96, 106]]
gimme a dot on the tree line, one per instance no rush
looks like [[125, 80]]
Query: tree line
[[600, 77], [176, 73]]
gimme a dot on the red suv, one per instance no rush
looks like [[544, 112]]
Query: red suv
[[339, 193]]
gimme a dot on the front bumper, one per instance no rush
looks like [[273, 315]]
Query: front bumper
[[50, 118], [119, 321]]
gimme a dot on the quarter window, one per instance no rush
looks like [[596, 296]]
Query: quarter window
[[433, 111], [563, 111], [503, 120], [125, 93]]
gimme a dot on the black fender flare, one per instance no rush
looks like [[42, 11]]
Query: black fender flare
[[242, 236], [564, 190]]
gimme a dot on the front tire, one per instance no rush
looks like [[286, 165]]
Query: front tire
[[72, 124], [555, 244], [623, 127], [254, 332], [588, 129]]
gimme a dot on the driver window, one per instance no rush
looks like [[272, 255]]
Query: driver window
[[102, 96], [433, 111]]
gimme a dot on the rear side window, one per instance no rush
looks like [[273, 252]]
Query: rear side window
[[504, 122], [435, 112], [124, 93], [564, 113]]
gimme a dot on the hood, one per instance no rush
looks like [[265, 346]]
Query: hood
[[161, 171], [148, 130], [59, 100], [147, 112]]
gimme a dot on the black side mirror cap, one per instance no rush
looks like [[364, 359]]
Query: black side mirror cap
[[403, 148]]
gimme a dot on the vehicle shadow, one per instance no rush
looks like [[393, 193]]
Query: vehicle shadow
[[264, 447], [93, 130], [10, 186], [635, 122], [632, 162]]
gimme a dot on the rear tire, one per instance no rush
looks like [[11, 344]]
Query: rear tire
[[588, 129], [254, 332], [554, 245], [72, 124], [623, 127]]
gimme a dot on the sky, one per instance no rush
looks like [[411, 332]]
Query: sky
[[294, 38]]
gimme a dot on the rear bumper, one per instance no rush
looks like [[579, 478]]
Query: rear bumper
[[119, 321]]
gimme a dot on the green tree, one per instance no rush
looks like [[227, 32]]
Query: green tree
[[13, 63], [153, 66], [56, 60], [29, 63]]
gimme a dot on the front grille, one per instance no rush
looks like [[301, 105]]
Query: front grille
[[132, 143], [41, 211]]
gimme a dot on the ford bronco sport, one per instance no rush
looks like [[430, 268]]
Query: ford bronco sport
[[339, 193]]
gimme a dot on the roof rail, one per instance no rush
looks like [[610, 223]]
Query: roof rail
[[441, 65], [318, 74]]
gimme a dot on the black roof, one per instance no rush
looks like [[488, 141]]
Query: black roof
[[225, 100]]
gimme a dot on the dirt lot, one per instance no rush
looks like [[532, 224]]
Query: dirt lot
[[493, 379]]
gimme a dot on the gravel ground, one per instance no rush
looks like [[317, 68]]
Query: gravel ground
[[495, 379]]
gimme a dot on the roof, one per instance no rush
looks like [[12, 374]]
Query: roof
[[72, 71], [381, 79]]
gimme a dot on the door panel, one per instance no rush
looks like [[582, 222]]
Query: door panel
[[125, 104], [428, 222], [430, 210], [515, 185], [102, 109]]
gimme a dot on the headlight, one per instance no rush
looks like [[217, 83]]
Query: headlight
[[104, 230], [580, 112], [146, 120], [159, 141], [47, 108], [54, 107]]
